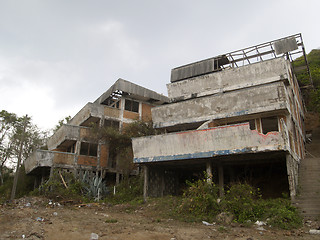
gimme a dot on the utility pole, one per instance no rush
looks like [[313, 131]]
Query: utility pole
[[16, 176]]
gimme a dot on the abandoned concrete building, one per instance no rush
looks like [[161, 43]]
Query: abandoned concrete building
[[75, 148], [238, 117]]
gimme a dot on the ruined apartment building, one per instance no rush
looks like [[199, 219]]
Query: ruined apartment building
[[237, 116], [75, 147]]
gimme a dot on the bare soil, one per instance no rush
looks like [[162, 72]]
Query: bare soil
[[38, 218]]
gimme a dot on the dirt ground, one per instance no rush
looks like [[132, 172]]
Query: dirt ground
[[38, 218]]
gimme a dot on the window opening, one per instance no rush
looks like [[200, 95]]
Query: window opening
[[131, 105], [89, 149], [269, 124], [112, 123]]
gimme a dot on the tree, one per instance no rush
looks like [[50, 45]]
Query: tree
[[61, 122], [18, 138], [8, 122]]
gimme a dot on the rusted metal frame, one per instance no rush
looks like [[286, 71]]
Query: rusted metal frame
[[233, 61], [253, 56], [306, 61], [244, 53]]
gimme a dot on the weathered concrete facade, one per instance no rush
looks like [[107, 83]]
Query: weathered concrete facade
[[75, 147], [224, 119]]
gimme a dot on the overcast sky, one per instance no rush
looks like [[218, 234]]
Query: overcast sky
[[57, 55]]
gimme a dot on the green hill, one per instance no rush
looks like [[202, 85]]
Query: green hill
[[311, 96]]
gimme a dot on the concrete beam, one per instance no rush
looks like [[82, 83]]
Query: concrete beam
[[219, 141], [263, 98]]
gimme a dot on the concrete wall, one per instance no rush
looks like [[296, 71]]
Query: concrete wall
[[90, 109], [229, 79], [224, 140], [263, 98], [65, 132], [38, 158]]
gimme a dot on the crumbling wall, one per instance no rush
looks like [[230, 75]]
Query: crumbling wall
[[224, 140], [264, 98], [229, 79]]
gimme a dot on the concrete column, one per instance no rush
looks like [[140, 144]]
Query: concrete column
[[146, 181], [117, 178], [292, 175], [162, 183], [77, 152], [209, 172], [221, 183]]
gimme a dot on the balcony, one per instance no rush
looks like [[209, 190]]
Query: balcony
[[45, 159], [219, 141], [94, 110]]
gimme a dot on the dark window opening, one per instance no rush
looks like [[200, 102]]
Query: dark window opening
[[112, 123], [72, 148], [89, 149], [269, 124], [131, 105], [112, 162]]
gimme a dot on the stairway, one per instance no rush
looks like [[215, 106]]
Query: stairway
[[308, 199]]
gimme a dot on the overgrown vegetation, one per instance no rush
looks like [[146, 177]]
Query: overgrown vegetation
[[129, 190], [241, 201], [24, 186], [311, 96]]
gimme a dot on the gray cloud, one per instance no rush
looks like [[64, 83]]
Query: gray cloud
[[66, 53]]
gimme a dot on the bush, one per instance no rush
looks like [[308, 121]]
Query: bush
[[200, 202], [129, 190], [240, 200], [54, 188]]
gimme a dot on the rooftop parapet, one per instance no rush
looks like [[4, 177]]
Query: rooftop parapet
[[229, 80]]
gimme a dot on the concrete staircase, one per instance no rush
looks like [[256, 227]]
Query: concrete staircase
[[308, 199]]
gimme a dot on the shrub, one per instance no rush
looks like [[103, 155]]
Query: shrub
[[129, 190], [200, 200]]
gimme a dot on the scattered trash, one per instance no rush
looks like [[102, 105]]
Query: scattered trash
[[260, 223], [94, 236], [172, 239], [39, 219], [261, 229], [28, 204], [55, 214], [207, 224], [50, 202], [218, 200], [314, 231], [23, 236]]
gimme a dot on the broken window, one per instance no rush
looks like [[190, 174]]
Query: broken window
[[131, 105], [89, 149], [111, 123], [269, 124], [113, 100]]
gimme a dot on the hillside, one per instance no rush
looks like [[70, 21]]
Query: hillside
[[311, 96]]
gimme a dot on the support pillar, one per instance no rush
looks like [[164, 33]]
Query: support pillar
[[162, 183], [146, 181], [221, 183], [117, 178], [292, 171], [209, 172]]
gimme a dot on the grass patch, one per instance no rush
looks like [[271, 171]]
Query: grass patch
[[111, 221]]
